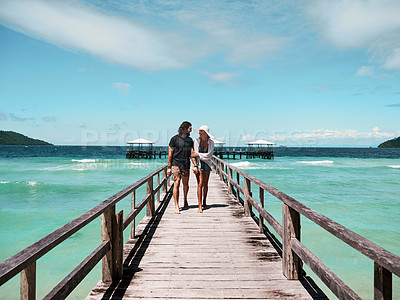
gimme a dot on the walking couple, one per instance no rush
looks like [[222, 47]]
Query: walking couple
[[182, 150]]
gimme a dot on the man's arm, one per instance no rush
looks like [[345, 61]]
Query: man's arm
[[170, 152], [193, 156]]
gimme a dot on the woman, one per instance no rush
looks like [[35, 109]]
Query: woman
[[204, 149]]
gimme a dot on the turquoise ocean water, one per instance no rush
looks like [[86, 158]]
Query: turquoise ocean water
[[42, 188]]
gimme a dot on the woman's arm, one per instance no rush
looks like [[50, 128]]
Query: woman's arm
[[210, 151]]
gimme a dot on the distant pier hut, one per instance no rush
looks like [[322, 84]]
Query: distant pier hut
[[218, 148], [261, 149], [142, 148]]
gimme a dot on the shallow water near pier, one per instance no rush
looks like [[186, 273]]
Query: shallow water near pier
[[44, 188], [358, 193]]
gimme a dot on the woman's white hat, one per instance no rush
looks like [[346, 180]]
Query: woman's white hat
[[206, 129]]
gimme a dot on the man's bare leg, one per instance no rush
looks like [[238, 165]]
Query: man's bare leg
[[177, 181], [185, 182]]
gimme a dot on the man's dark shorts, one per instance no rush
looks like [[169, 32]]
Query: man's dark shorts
[[178, 172]]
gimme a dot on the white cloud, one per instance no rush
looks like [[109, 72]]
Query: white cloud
[[13, 117], [393, 60], [393, 105], [49, 119], [122, 87], [320, 87], [223, 27], [3, 117], [247, 137], [365, 71], [85, 70], [336, 137], [240, 46], [224, 77], [374, 24], [81, 28], [197, 32]]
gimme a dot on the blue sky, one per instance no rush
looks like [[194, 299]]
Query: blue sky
[[298, 73]]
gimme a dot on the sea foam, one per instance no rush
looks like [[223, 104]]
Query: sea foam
[[241, 164], [316, 162], [84, 160], [394, 166]]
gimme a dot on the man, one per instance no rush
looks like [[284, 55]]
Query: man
[[180, 151]]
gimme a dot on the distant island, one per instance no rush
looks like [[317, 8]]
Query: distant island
[[14, 138], [395, 143]]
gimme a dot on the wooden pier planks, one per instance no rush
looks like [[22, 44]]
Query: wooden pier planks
[[214, 255]]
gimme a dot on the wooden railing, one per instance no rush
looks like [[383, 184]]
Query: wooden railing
[[110, 250], [294, 253]]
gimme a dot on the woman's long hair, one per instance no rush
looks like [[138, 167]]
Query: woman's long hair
[[184, 128]]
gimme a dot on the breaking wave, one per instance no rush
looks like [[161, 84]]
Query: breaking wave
[[394, 166], [317, 162]]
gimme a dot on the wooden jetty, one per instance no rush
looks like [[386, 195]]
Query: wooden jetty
[[142, 148], [254, 153], [148, 154], [257, 149], [219, 254]]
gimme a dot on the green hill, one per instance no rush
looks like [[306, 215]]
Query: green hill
[[395, 143], [13, 138]]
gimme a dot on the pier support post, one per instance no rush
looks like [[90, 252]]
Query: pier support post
[[150, 209], [291, 263], [247, 195], [28, 282], [133, 205], [382, 283]]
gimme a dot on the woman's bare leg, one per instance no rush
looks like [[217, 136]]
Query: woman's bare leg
[[199, 177], [206, 177]]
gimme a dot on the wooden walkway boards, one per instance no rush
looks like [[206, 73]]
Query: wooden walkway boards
[[218, 254]]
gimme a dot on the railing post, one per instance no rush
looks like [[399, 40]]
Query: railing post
[[133, 205], [150, 209], [382, 283], [247, 195], [118, 246], [164, 188], [230, 187], [158, 183], [237, 190], [260, 219], [221, 176], [28, 282], [291, 263], [107, 220]]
